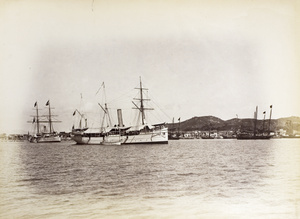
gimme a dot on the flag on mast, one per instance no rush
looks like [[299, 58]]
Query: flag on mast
[[47, 103], [35, 104]]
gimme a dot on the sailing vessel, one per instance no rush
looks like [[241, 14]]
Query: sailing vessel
[[44, 134], [142, 133], [255, 135]]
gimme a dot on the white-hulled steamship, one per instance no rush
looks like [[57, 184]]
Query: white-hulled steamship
[[143, 133]]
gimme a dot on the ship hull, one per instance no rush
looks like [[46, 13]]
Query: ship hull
[[87, 140], [155, 137], [49, 139], [45, 139], [147, 138]]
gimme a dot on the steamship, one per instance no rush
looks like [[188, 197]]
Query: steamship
[[141, 133]]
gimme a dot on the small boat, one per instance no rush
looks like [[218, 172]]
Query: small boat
[[44, 134], [229, 136], [206, 137], [175, 133], [173, 136]]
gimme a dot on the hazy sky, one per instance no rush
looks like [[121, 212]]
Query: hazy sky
[[197, 58]]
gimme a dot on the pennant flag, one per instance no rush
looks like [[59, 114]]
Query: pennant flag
[[33, 121], [271, 106], [179, 119], [74, 113], [47, 103], [35, 104], [264, 112]]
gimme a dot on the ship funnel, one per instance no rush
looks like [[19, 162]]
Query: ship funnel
[[120, 118]]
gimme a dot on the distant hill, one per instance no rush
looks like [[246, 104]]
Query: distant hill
[[206, 123]]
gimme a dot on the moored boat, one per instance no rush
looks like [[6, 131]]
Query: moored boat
[[44, 134], [141, 133], [255, 135]]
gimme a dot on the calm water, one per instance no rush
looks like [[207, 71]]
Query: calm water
[[184, 179]]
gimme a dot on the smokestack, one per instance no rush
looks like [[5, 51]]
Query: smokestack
[[120, 119]]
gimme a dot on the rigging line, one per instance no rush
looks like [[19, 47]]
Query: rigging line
[[152, 100], [117, 98], [137, 119]]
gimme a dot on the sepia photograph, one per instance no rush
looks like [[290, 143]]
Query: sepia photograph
[[150, 109]]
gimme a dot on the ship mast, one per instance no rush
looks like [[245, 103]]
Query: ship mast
[[264, 121], [142, 102], [48, 118], [270, 119], [105, 109], [50, 121], [37, 118], [81, 118], [142, 99]]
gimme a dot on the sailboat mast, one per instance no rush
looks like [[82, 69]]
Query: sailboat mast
[[106, 112], [37, 118], [142, 103], [270, 119], [264, 121], [50, 121], [106, 115], [141, 99]]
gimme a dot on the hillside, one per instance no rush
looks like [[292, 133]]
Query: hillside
[[205, 123]]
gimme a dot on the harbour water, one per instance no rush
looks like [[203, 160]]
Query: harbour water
[[184, 179]]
